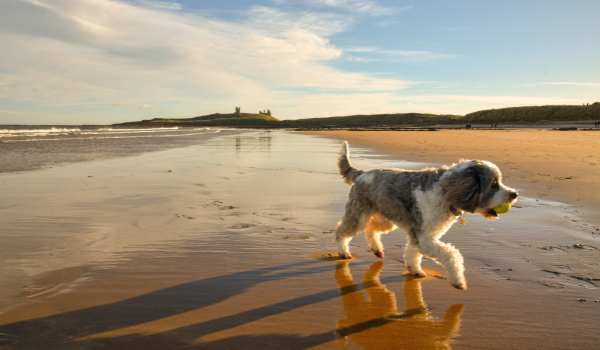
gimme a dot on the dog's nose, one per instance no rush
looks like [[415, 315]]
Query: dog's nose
[[514, 195]]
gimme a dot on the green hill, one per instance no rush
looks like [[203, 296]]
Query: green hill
[[534, 114], [379, 119], [216, 119]]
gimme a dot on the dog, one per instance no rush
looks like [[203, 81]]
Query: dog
[[424, 203]]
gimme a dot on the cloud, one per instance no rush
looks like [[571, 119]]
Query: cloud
[[520, 100], [395, 55], [91, 53], [21, 113], [296, 45], [362, 49], [587, 85], [134, 105], [367, 7], [161, 5], [416, 56], [275, 20], [387, 23], [448, 86]]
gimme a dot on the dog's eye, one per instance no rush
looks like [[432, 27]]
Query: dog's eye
[[495, 184]]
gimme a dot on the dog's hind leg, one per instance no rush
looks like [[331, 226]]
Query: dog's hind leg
[[412, 258], [351, 224], [449, 257], [377, 226]]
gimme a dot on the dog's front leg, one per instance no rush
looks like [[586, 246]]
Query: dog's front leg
[[449, 257], [412, 257]]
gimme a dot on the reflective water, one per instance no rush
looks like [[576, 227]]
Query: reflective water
[[374, 320], [26, 148]]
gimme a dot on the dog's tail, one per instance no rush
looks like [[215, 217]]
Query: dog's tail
[[346, 170]]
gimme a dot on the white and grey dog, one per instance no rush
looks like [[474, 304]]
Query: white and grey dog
[[423, 203]]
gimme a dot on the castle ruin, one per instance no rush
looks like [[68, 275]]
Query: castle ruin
[[238, 111]]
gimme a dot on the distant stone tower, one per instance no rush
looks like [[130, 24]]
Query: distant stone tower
[[238, 110], [268, 112]]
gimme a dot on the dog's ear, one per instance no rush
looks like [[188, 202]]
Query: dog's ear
[[463, 188]]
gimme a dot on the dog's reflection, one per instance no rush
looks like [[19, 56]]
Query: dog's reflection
[[376, 323]]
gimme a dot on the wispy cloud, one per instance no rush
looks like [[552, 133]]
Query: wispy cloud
[[134, 105], [161, 5], [275, 20], [417, 56], [387, 23], [586, 85], [367, 7], [99, 52], [448, 86], [374, 53], [515, 100]]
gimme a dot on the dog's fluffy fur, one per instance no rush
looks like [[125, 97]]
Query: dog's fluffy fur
[[423, 203]]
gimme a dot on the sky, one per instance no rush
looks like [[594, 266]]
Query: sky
[[74, 62]]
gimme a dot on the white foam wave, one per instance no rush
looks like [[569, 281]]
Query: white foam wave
[[134, 129], [38, 131], [11, 133], [206, 131]]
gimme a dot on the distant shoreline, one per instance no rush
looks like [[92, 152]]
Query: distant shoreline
[[588, 125], [553, 114]]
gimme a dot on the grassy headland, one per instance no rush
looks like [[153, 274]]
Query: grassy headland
[[537, 114], [534, 114], [216, 119]]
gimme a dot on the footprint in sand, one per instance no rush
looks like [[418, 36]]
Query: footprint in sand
[[295, 237], [240, 226], [553, 248]]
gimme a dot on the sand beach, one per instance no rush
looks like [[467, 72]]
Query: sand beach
[[225, 241]]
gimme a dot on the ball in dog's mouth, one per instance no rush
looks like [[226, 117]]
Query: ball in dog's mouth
[[502, 209]]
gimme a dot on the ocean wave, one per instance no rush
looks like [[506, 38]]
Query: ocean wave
[[134, 129], [38, 131], [17, 132], [111, 137]]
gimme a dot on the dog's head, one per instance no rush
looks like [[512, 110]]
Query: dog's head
[[475, 186]]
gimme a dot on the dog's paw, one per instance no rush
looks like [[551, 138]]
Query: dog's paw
[[379, 253], [417, 272], [461, 286], [345, 255]]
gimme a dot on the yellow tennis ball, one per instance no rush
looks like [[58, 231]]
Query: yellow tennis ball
[[502, 209]]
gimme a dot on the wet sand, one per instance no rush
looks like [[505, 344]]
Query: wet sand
[[229, 245]]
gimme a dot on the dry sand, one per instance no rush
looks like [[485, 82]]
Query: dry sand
[[228, 245]]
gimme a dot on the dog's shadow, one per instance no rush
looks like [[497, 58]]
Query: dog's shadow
[[373, 321]]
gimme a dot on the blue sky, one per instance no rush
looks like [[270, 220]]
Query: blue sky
[[109, 61]]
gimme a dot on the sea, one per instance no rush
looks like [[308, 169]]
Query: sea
[[34, 147]]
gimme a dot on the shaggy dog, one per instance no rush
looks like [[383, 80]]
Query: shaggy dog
[[424, 203]]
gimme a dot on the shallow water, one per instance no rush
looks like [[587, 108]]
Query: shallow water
[[26, 148], [225, 243]]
